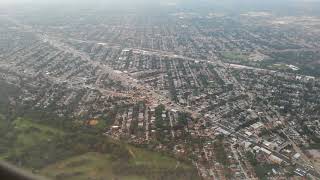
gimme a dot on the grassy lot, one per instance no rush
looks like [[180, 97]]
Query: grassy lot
[[97, 165], [148, 158], [91, 164], [30, 134], [24, 134], [81, 153], [234, 56], [142, 164]]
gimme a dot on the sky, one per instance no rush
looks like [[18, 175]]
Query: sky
[[201, 5], [160, 1]]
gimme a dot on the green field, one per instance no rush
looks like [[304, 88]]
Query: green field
[[229, 55], [30, 134], [82, 153], [99, 166], [91, 164]]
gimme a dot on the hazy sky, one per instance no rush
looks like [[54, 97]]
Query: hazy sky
[[72, 1], [188, 4], [166, 1]]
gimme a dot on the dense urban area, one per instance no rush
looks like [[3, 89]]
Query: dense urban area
[[202, 95]]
